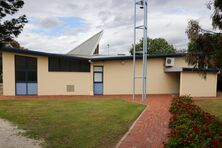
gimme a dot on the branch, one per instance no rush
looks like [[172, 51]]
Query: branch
[[208, 31]]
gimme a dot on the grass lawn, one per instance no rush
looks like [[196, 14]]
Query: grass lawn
[[212, 106], [72, 123]]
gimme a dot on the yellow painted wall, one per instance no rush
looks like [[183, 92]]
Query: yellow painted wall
[[181, 62], [118, 77], [8, 67], [193, 84], [54, 83], [49, 83]]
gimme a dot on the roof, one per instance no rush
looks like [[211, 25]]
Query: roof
[[130, 57], [92, 57], [38, 53], [88, 47], [191, 70]]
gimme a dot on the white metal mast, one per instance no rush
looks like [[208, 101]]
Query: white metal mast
[[143, 4]]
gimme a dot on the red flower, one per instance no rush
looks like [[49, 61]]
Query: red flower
[[191, 138], [196, 129], [209, 133], [216, 141]]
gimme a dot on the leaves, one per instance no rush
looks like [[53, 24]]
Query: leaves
[[204, 47], [10, 7], [217, 13], [191, 126], [216, 5], [10, 29], [155, 46]]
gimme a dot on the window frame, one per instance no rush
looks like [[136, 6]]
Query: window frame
[[71, 65]]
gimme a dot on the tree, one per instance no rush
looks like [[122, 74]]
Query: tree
[[216, 5], [155, 46], [200, 47], [205, 47], [9, 29], [13, 43]]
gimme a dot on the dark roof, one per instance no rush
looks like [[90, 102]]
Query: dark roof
[[201, 70], [38, 53], [191, 70], [109, 58], [93, 58]]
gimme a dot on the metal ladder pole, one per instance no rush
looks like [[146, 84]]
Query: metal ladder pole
[[143, 65], [143, 5], [134, 51], [145, 52], [147, 47]]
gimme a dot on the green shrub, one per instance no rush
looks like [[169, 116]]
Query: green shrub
[[192, 127]]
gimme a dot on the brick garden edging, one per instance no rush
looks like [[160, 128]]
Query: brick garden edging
[[132, 126], [151, 128]]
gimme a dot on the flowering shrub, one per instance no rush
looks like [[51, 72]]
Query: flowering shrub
[[192, 127]]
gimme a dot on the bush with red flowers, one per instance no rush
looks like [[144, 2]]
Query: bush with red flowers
[[192, 127]]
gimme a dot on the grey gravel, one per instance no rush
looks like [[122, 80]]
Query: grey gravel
[[10, 137]]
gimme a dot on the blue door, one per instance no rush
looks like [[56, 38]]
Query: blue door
[[25, 75], [98, 80]]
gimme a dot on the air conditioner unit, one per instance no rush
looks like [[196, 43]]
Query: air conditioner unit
[[169, 62]]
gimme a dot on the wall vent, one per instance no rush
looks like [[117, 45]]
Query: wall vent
[[70, 88]]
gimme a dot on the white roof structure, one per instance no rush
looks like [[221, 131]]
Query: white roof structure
[[88, 47]]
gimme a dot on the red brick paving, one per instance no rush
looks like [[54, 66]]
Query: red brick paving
[[150, 130]]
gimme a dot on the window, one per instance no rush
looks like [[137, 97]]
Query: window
[[54, 64], [31, 64], [32, 76], [59, 64], [98, 69], [25, 69], [20, 63], [98, 77], [64, 65], [74, 65], [20, 76]]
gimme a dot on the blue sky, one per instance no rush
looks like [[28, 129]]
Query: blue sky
[[59, 26], [63, 24]]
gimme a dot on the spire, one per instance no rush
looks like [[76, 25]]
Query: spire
[[88, 47]]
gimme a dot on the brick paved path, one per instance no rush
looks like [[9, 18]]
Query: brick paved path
[[150, 130]]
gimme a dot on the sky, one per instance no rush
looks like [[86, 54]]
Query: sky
[[60, 25]]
